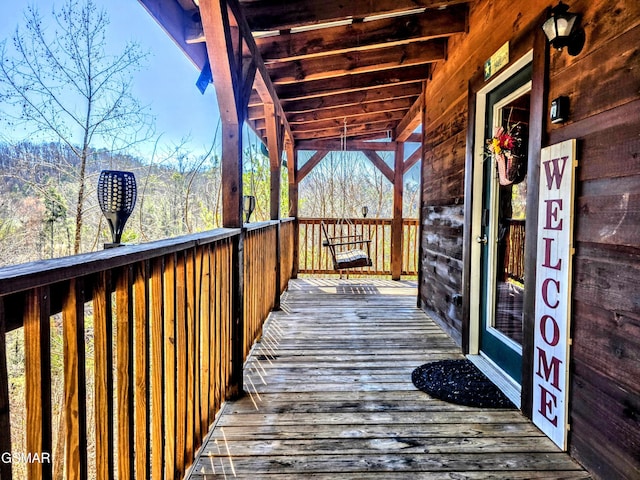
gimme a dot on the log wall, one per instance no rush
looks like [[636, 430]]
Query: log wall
[[602, 83]]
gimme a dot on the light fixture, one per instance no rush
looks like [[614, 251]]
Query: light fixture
[[117, 194], [561, 29], [365, 211], [248, 205]]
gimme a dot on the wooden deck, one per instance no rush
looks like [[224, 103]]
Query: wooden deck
[[329, 395]]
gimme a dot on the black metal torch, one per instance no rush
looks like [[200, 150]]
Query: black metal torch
[[117, 193]]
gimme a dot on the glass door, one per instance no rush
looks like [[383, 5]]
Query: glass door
[[504, 224]]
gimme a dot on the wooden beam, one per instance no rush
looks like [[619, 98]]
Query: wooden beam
[[415, 137], [380, 164], [410, 122], [396, 222], [352, 145], [401, 104], [376, 60], [351, 122], [414, 158], [274, 145], [295, 13], [350, 83], [358, 98], [315, 159], [386, 126], [363, 35]]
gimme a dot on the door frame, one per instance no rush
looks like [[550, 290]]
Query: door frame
[[477, 193], [530, 43]]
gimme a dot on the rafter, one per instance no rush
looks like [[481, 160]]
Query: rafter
[[377, 127], [363, 35], [418, 53], [351, 110], [350, 121], [350, 83], [351, 145], [278, 15], [353, 98]]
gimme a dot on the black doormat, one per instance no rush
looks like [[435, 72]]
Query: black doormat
[[460, 382]]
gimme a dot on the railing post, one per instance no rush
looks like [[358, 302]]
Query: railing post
[[276, 280], [237, 320]]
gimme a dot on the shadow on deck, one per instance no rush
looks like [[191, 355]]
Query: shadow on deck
[[329, 395]]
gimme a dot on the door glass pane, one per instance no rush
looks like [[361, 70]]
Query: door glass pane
[[509, 258]]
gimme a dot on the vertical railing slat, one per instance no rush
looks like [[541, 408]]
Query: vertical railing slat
[[170, 365], [125, 374], [37, 344], [5, 419], [75, 396], [157, 377], [103, 373], [190, 351], [181, 363], [141, 327], [205, 341]]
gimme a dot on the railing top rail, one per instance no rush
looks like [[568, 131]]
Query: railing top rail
[[17, 278], [258, 225]]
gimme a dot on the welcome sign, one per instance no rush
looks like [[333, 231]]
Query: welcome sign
[[553, 290]]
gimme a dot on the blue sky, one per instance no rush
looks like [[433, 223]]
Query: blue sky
[[167, 85]]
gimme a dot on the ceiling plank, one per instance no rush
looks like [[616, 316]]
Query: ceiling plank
[[418, 53], [350, 83], [268, 15], [353, 98], [380, 164], [411, 121], [363, 35], [351, 110]]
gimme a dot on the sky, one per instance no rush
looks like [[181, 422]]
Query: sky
[[167, 84]]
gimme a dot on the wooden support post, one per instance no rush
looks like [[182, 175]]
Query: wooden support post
[[233, 77], [396, 223], [274, 145], [292, 165]]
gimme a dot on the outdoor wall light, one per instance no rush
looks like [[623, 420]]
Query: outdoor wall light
[[248, 205], [117, 194], [562, 30], [365, 211]]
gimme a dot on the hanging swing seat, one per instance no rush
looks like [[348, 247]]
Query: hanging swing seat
[[347, 251]]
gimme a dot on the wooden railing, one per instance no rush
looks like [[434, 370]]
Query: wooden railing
[[287, 247], [259, 271], [151, 345], [316, 259]]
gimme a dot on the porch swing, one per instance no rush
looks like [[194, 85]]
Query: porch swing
[[347, 251]]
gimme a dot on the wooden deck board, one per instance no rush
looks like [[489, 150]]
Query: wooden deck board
[[329, 395]]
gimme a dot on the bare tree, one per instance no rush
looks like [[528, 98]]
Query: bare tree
[[60, 82]]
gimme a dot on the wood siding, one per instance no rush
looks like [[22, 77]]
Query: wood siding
[[602, 84]]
